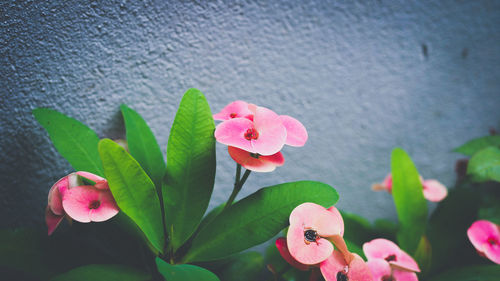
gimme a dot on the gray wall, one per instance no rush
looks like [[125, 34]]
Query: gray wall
[[363, 76]]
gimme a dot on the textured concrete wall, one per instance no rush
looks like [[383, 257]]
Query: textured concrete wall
[[363, 76]]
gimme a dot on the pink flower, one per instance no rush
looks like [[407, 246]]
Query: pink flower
[[84, 203], [236, 109], [390, 252], [256, 162], [382, 271], [283, 249], [434, 191], [311, 228], [485, 236], [335, 268]]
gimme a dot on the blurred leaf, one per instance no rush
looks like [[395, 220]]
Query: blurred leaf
[[485, 165], [256, 219], [475, 145], [409, 199], [490, 213], [189, 180], [355, 248], [423, 255], [103, 272], [470, 273], [143, 145], [74, 141], [385, 228], [184, 272], [447, 231], [243, 267], [133, 191], [358, 230]]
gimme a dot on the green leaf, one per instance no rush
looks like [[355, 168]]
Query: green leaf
[[256, 219], [358, 229], [485, 165], [103, 272], [470, 273], [143, 145], [475, 145], [74, 141], [408, 195], [133, 191], [243, 267], [423, 255], [189, 180], [184, 272]]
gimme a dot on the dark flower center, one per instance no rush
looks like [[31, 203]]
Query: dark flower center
[[310, 235], [232, 115], [492, 241], [254, 155], [94, 204], [341, 276], [387, 278], [391, 258], [251, 134]]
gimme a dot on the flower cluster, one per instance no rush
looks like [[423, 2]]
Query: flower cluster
[[434, 191], [70, 197], [388, 262], [309, 240], [255, 135]]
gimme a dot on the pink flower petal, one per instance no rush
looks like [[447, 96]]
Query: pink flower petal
[[55, 199], [255, 162], [83, 204], [52, 220], [296, 133], [339, 220], [385, 249], [387, 183], [232, 132], [283, 249], [310, 252], [314, 216], [403, 275], [236, 109], [485, 236], [434, 191], [380, 269], [335, 265], [100, 183], [271, 132]]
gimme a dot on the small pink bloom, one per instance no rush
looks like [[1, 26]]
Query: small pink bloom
[[335, 268], [310, 224], [83, 203], [434, 191], [236, 109], [485, 236], [254, 161], [283, 249], [390, 252], [296, 133], [382, 271]]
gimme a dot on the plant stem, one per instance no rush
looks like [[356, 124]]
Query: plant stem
[[238, 184]]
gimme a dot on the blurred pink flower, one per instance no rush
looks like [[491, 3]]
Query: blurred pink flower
[[387, 250], [434, 191], [84, 203], [335, 268], [485, 236], [382, 271]]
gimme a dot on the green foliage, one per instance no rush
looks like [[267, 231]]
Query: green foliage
[[133, 191], [470, 273], [243, 267], [103, 272], [190, 172], [485, 165], [184, 272], [475, 145], [409, 199], [143, 146], [256, 219], [74, 141]]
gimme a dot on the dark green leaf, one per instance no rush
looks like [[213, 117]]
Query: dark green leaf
[[256, 219], [475, 145], [408, 195], [103, 272], [184, 272], [189, 180], [358, 230], [470, 273], [133, 191], [485, 165], [74, 141], [143, 146], [423, 255], [243, 267]]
